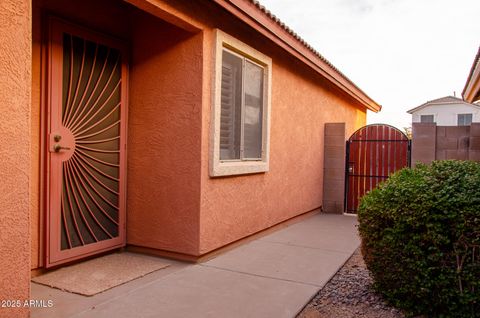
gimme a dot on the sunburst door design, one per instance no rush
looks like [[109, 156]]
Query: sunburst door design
[[86, 141]]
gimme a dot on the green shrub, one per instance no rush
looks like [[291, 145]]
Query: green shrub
[[420, 235]]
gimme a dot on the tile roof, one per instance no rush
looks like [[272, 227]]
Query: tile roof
[[296, 36], [300, 39], [441, 101], [321, 62]]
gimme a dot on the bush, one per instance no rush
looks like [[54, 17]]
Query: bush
[[420, 235]]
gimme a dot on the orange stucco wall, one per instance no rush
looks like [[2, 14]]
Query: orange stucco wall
[[15, 57], [164, 137], [164, 124], [172, 203], [234, 207], [302, 101]]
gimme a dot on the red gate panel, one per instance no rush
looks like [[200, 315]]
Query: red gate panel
[[374, 152]]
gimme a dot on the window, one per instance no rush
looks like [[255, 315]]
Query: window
[[426, 119], [464, 119], [241, 109]]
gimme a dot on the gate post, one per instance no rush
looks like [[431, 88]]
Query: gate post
[[474, 142], [334, 168], [424, 136]]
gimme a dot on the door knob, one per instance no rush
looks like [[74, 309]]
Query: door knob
[[58, 147]]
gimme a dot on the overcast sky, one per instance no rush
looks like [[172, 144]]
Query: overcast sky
[[402, 53]]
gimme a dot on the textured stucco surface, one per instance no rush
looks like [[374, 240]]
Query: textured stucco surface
[[164, 138], [174, 101], [15, 87], [164, 124], [35, 114], [172, 203], [302, 102]]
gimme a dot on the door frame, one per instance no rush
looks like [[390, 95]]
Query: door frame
[[52, 73]]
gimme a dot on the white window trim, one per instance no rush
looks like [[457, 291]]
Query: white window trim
[[228, 167], [458, 114], [434, 118]]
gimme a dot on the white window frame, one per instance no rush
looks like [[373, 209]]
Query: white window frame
[[463, 114], [433, 115], [247, 166]]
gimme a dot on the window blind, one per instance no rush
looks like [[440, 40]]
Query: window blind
[[230, 113]]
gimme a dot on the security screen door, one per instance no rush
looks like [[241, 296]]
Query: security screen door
[[85, 143]]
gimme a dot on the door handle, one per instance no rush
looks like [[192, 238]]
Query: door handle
[[58, 147]]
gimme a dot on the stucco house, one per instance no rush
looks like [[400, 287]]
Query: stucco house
[[446, 111], [171, 127], [471, 91]]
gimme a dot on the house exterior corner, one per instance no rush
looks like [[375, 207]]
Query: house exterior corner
[[174, 127], [15, 142]]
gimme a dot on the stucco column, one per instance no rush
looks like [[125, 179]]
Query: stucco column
[[334, 168], [15, 138]]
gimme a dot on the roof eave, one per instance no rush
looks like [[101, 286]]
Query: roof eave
[[248, 12], [471, 91], [411, 111]]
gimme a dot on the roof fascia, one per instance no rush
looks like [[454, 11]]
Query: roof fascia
[[472, 87], [247, 12], [437, 104]]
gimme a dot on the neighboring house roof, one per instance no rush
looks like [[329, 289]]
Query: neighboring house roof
[[441, 101], [471, 91], [257, 16]]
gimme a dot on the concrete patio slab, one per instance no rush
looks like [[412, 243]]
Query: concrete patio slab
[[208, 292], [67, 304], [328, 232], [282, 261], [273, 276]]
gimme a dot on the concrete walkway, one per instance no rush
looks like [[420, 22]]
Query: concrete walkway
[[273, 276]]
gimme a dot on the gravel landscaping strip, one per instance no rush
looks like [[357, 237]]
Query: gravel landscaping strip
[[348, 294]]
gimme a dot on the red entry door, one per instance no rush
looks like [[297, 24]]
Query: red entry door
[[86, 143]]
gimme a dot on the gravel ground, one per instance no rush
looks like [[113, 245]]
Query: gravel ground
[[348, 295]]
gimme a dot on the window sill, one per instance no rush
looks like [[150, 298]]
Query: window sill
[[232, 168]]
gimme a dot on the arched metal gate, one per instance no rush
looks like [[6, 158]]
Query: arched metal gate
[[373, 153]]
